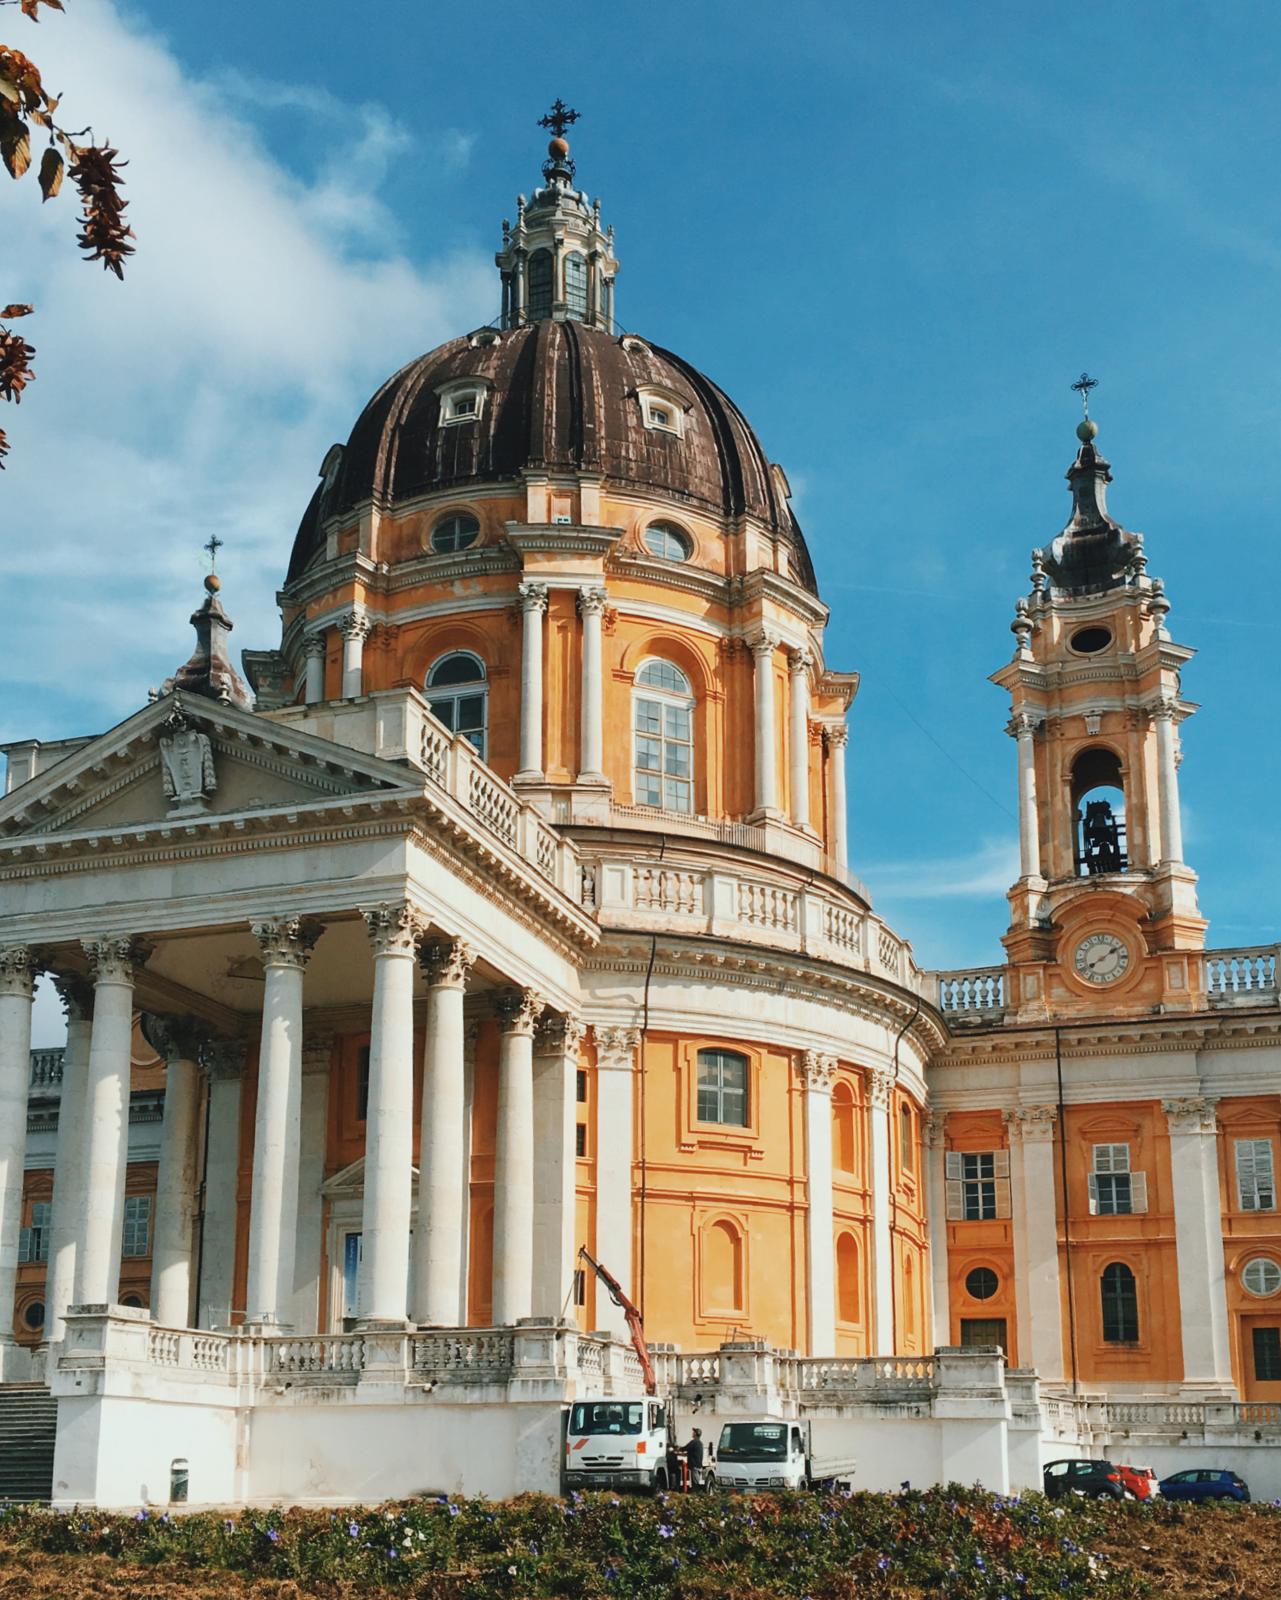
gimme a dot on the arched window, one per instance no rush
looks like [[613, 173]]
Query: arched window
[[458, 694], [847, 1285], [843, 1145], [1120, 1298], [454, 533], [722, 1264], [663, 723], [1098, 801], [539, 304], [666, 540], [722, 1087], [576, 286]]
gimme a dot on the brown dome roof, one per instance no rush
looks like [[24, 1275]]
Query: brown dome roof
[[563, 397]]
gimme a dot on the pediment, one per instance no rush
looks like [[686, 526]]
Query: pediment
[[351, 1181], [182, 759]]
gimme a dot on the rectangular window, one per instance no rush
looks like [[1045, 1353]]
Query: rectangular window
[[722, 1087], [136, 1234], [664, 755], [580, 1141], [580, 1087], [1256, 1183], [33, 1242], [978, 1185], [1267, 1355], [978, 1331], [362, 1084], [1116, 1191]]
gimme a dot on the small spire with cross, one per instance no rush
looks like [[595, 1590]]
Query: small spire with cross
[[215, 544], [1087, 429], [558, 118]]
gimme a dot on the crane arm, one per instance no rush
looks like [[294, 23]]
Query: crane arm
[[632, 1317]]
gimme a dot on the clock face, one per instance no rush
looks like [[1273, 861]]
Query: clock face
[[1101, 958]]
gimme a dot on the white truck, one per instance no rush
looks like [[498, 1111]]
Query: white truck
[[774, 1453], [619, 1443]]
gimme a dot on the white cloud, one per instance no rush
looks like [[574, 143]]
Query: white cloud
[[262, 308], [984, 872]]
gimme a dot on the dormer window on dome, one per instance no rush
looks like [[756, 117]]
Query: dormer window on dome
[[457, 531], [462, 400], [668, 542], [662, 409]]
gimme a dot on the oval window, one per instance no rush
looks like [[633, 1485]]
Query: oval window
[[981, 1283], [1089, 641], [666, 540], [33, 1315], [1262, 1276], [454, 533]]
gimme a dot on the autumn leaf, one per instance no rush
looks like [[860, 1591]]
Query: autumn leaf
[[15, 365], [104, 235], [50, 173], [4, 449], [31, 8], [15, 311], [15, 142]]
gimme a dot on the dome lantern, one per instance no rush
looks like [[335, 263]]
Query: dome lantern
[[557, 262]]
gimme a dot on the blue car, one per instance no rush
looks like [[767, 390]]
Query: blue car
[[1204, 1483]]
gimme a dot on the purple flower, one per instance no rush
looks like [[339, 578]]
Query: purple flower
[[610, 1574], [883, 1565], [352, 1529], [453, 1509], [392, 1553], [274, 1535], [140, 1516], [229, 1526], [665, 1532]]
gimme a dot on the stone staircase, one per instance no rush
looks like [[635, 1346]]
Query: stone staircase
[[28, 1424]]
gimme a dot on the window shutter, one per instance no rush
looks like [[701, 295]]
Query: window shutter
[[24, 1244], [1138, 1191], [955, 1169], [1245, 1173], [1003, 1207], [955, 1200], [1001, 1163], [1094, 1195]]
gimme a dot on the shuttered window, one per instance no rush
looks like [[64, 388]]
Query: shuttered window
[[978, 1185], [33, 1242], [1116, 1191], [1256, 1183]]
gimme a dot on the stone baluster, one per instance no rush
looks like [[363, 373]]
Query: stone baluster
[[176, 1041], [591, 607], [69, 1158], [556, 1058], [17, 979], [113, 962], [815, 1072], [798, 682], [439, 1254], [395, 931], [533, 604], [286, 944], [837, 736], [519, 1010], [615, 1147], [356, 628]]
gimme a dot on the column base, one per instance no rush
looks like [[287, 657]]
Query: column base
[[385, 1325], [528, 775], [16, 1364]]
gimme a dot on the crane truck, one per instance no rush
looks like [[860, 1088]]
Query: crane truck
[[622, 1442]]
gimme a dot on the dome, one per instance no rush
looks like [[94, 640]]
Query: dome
[[555, 396]]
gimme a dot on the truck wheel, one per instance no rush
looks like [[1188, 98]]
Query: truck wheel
[[709, 1482], [660, 1481]]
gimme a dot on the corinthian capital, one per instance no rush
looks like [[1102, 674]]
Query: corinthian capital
[[880, 1085], [1192, 1113], [286, 941], [533, 596], [446, 963], [355, 625], [799, 661], [395, 929], [115, 960], [17, 970], [519, 1010], [762, 643], [1022, 725], [560, 1034], [592, 602], [837, 735], [816, 1071], [616, 1048]]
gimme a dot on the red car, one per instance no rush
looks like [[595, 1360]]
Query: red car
[[1141, 1482]]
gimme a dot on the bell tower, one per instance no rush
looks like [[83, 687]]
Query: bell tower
[[1104, 914]]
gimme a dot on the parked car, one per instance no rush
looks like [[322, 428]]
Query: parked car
[[1099, 1479], [1205, 1483], [1138, 1481]]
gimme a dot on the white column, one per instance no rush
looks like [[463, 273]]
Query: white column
[[471, 1035], [879, 1090], [273, 1215], [798, 683], [615, 1148], [533, 603], [556, 1054], [519, 1010], [815, 1072], [443, 1182], [69, 1157], [1035, 1208], [17, 977], [1198, 1241], [936, 1177], [313, 651], [112, 962], [1168, 781], [591, 607], [223, 1061], [176, 1044], [837, 735], [355, 628], [1023, 727], [763, 646], [395, 932], [317, 1055]]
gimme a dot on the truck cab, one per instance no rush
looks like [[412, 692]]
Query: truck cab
[[619, 1443], [767, 1453]]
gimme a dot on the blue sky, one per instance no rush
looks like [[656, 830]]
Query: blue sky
[[894, 234]]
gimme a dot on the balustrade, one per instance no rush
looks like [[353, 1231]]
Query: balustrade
[[477, 1355], [46, 1068], [1247, 975], [980, 991], [666, 889]]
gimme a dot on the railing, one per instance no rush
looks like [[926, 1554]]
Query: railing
[[464, 1356], [973, 994], [335, 1356], [665, 889], [46, 1068], [1241, 977]]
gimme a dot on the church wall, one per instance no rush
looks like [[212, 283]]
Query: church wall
[[982, 1243], [1248, 1235], [851, 1215]]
